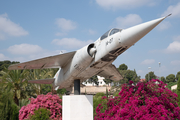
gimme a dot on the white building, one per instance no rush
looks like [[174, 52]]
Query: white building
[[174, 87], [100, 81]]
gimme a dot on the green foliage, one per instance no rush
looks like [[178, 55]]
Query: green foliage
[[8, 109], [116, 94], [15, 81], [177, 75], [85, 92], [41, 74], [129, 75], [170, 84], [163, 79], [107, 81], [5, 64], [150, 76], [97, 99], [107, 94], [61, 91], [123, 67], [178, 91], [170, 78], [45, 88], [23, 102], [174, 90], [40, 114], [99, 94], [93, 79]]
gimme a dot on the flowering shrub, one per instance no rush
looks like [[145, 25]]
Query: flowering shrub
[[148, 100], [50, 102]]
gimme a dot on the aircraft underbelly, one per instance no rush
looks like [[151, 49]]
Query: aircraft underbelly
[[79, 63]]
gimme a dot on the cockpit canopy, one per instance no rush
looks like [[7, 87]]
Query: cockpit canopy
[[110, 32]]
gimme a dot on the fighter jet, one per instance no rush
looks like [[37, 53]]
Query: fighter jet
[[93, 59]]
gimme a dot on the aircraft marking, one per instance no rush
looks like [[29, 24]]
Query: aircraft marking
[[109, 42]]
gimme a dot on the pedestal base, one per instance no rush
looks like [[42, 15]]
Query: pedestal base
[[77, 107]]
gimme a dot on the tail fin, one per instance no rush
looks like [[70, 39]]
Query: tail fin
[[42, 81]]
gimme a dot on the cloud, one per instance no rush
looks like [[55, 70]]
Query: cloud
[[128, 21], [124, 4], [173, 47], [176, 38], [36, 55], [71, 42], [164, 25], [175, 10], [61, 34], [24, 49], [175, 62], [92, 32], [9, 28], [65, 25], [148, 61], [27, 52], [3, 57]]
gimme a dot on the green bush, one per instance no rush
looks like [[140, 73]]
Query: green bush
[[8, 109], [99, 94], [178, 91], [116, 94], [170, 84], [97, 99], [40, 114]]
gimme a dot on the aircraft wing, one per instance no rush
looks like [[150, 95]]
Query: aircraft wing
[[47, 62], [42, 81], [111, 72]]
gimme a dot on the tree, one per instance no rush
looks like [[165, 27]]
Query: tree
[[107, 81], [93, 79], [123, 67], [132, 75], [61, 91], [8, 109], [37, 74], [177, 75], [129, 75], [15, 81], [163, 79], [46, 88], [5, 64], [178, 91], [150, 76], [170, 78]]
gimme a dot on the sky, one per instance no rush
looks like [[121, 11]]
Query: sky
[[34, 29]]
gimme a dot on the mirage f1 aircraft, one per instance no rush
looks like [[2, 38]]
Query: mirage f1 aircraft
[[93, 59]]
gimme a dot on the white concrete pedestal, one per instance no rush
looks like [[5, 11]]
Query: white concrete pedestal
[[77, 107]]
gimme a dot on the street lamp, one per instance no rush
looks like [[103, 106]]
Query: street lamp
[[159, 70], [148, 72]]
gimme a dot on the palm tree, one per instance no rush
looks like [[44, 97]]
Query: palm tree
[[8, 109], [41, 74], [16, 82]]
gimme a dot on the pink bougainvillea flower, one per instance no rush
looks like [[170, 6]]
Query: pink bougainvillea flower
[[49, 101], [144, 101]]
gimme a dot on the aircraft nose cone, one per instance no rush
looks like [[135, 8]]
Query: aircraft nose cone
[[133, 34]]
